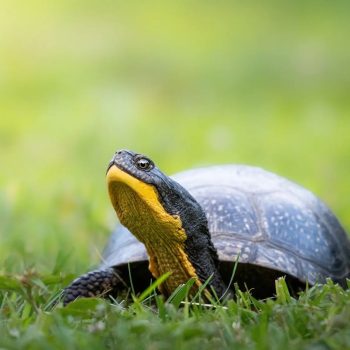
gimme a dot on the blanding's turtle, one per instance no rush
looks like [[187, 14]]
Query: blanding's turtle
[[196, 223]]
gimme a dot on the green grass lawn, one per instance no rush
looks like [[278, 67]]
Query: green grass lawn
[[317, 320], [189, 84]]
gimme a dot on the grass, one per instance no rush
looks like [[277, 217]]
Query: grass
[[189, 84], [317, 320]]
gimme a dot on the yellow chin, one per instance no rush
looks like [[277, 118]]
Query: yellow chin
[[117, 177], [139, 209]]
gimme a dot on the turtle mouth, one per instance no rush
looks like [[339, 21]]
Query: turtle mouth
[[111, 163]]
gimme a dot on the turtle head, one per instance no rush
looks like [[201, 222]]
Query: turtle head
[[165, 217], [139, 191]]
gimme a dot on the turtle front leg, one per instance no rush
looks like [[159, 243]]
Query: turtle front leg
[[102, 283]]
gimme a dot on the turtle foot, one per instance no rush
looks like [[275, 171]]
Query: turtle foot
[[97, 283]]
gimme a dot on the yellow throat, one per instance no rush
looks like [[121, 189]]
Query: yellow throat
[[139, 209]]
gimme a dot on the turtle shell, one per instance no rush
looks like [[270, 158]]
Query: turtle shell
[[264, 220]]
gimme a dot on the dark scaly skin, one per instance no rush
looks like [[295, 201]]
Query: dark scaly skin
[[103, 283]]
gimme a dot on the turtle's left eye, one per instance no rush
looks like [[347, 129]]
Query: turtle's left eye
[[144, 164]]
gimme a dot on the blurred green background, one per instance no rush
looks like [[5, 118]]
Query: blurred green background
[[188, 83]]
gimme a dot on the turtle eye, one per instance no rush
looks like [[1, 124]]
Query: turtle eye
[[144, 164]]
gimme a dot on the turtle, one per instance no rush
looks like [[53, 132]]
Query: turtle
[[203, 223]]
